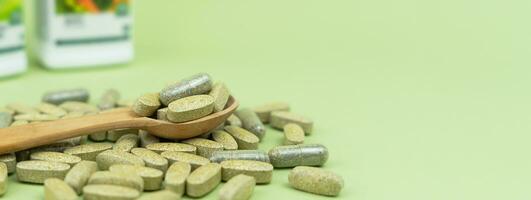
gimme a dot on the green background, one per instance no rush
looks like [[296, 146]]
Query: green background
[[416, 99]]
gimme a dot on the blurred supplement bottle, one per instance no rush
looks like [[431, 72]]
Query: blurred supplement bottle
[[12, 53], [83, 33]]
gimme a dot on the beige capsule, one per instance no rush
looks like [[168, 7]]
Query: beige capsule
[[160, 195], [51, 109], [175, 179], [152, 177], [204, 147], [146, 138], [114, 135], [233, 120], [76, 106], [162, 114], [19, 122], [261, 171], [225, 139], [126, 179], [244, 138], [194, 160], [113, 157], [203, 180], [57, 189], [109, 192], [298, 155], [190, 108], [88, 151], [152, 159], [279, 119], [251, 122], [126, 143], [79, 175], [36, 117], [56, 157], [315, 180], [171, 146], [264, 111], [293, 134], [147, 104], [3, 178], [256, 155], [36, 171], [221, 94], [109, 99], [10, 160], [19, 108], [240, 187]]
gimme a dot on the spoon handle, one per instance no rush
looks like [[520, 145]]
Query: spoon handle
[[22, 137]]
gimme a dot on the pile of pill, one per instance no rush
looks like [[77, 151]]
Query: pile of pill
[[133, 164]]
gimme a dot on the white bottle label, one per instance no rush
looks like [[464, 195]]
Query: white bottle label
[[11, 27]]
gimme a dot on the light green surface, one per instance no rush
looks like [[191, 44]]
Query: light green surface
[[415, 99]]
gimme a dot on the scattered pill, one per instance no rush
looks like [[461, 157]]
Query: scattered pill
[[251, 122], [152, 159], [225, 139], [256, 155], [298, 155], [109, 99], [56, 157], [51, 109], [19, 108], [152, 177], [175, 179], [109, 192], [194, 160], [315, 180], [279, 119], [35, 117], [126, 143], [261, 171], [244, 138], [160, 195], [147, 104], [98, 136], [293, 134], [168, 146], [126, 179], [113, 157], [221, 94], [88, 151], [3, 178], [78, 176], [60, 96], [233, 120], [36, 171], [114, 135], [10, 160], [203, 180], [205, 147], [264, 111], [57, 189], [190, 108], [194, 85], [239, 187]]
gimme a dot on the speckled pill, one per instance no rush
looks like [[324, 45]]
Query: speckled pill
[[293, 134], [36, 171], [169, 146], [19, 122], [194, 85], [98, 136], [239, 187], [147, 104], [109, 192], [244, 138], [88, 151], [5, 119], [19, 108], [203, 180], [51, 109], [204, 147], [298, 155], [279, 119], [152, 159], [126, 179], [261, 171], [146, 138], [225, 139], [114, 135], [3, 178], [256, 155], [36, 117], [315, 180], [162, 114], [233, 120], [75, 106], [264, 111], [175, 178], [79, 175], [160, 195], [126, 143], [57, 189], [190, 108], [56, 157], [113, 157], [152, 177], [194, 160], [59, 96], [10, 160], [221, 94], [109, 99], [251, 122]]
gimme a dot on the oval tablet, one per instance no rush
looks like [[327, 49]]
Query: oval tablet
[[78, 176], [147, 104], [225, 139], [204, 147], [293, 134], [194, 160], [280, 118], [55, 157], [176, 175], [244, 138], [152, 159], [169, 146], [3, 178], [190, 108], [112, 157], [152, 177], [203, 180], [261, 171], [315, 180], [125, 179], [160, 195], [57, 189], [36, 171], [10, 160], [88, 151], [108, 192], [126, 143], [239, 187]]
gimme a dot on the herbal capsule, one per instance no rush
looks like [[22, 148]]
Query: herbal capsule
[[233, 120], [114, 135], [251, 122], [190, 108], [56, 157], [113, 157], [3, 178], [204, 147], [168, 146], [19, 108], [162, 114], [176, 175], [256, 155], [315, 180], [264, 111], [240, 187], [160, 195], [152, 159], [36, 117], [146, 138], [57, 189], [297, 155], [109, 192], [36, 171], [197, 84], [152, 177], [293, 134], [88, 151], [228, 142], [203, 180], [125, 179], [79, 175], [5, 119], [147, 104], [221, 94], [126, 143], [194, 160], [10, 160], [261, 171], [75, 106], [279, 119], [51, 109], [60, 96], [244, 138], [19, 122], [109, 99]]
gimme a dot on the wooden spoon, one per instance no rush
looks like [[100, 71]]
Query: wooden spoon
[[22, 137]]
